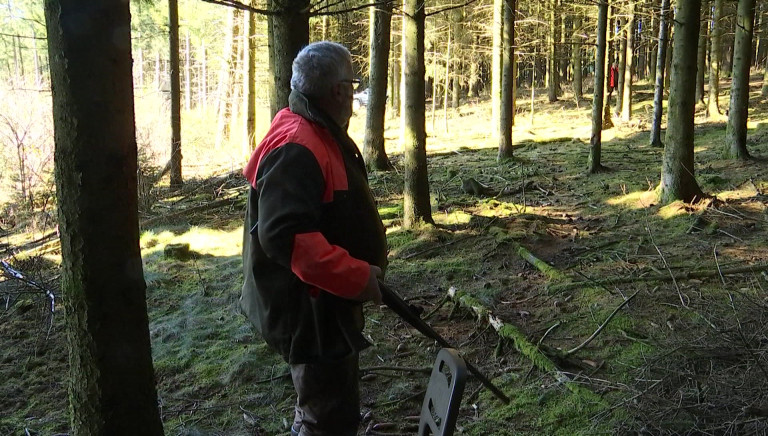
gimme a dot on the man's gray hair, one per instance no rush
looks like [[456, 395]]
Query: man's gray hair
[[318, 67]]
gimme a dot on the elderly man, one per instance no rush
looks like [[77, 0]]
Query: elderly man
[[314, 245]]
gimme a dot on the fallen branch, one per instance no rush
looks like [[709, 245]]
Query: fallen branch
[[13, 273], [551, 272], [699, 274], [534, 353], [602, 326]]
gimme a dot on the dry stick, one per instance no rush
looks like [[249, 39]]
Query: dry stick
[[666, 265], [602, 326], [717, 262], [699, 274]]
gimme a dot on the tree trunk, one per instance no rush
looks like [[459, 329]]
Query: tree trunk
[[447, 80], [658, 93], [713, 102], [173, 17], [187, 73], [506, 114], [497, 61], [736, 129], [576, 47], [394, 72], [374, 151], [416, 205], [111, 380], [597, 102], [701, 58], [677, 174], [249, 85], [764, 91], [622, 64], [226, 78], [654, 46], [552, 82], [290, 32], [629, 55]]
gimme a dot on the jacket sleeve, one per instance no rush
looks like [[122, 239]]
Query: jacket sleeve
[[291, 186]]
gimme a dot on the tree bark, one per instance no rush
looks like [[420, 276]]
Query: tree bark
[[715, 51], [677, 175], [173, 18], [736, 129], [594, 165], [374, 151], [290, 32], [658, 93], [416, 205], [506, 115], [111, 380]]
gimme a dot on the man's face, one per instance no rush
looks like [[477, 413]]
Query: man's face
[[346, 94]]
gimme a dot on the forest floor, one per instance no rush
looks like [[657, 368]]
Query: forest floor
[[676, 294]]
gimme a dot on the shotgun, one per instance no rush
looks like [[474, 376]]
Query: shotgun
[[404, 311]]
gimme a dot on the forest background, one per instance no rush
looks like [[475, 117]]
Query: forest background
[[540, 254]]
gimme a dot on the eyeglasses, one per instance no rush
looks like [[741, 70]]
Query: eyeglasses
[[352, 81]]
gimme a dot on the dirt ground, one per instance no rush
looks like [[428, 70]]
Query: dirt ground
[[674, 295]]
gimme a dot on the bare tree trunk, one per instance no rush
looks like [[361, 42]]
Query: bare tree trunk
[[552, 82], [290, 32], [597, 102], [249, 87], [626, 100], [226, 78], [187, 73], [654, 45], [416, 204], [111, 380], [173, 16], [394, 79], [764, 90], [713, 103], [506, 114], [576, 46], [658, 94], [736, 129], [374, 152], [447, 80], [677, 174], [497, 60], [701, 58], [622, 64]]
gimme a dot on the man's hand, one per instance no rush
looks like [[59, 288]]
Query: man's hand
[[371, 292]]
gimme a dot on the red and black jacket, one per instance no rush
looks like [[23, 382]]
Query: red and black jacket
[[311, 230]]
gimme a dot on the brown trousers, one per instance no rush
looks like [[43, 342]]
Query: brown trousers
[[328, 401]]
